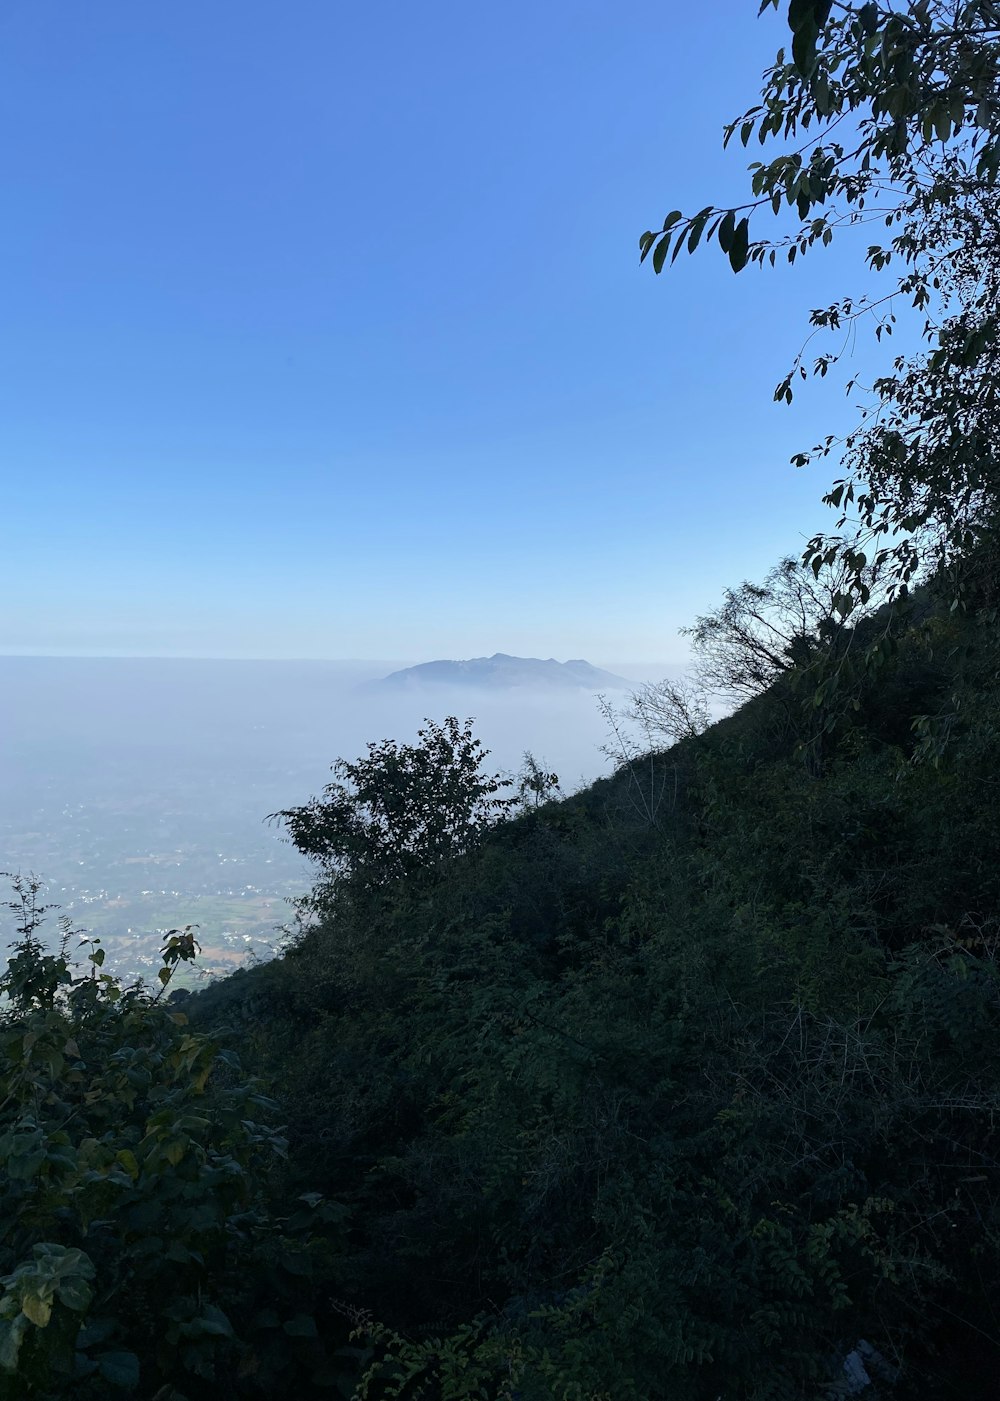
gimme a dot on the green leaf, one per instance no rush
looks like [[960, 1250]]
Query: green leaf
[[303, 1325], [694, 236], [26, 1166], [804, 47], [295, 1262], [96, 1330], [174, 1150], [75, 1293], [119, 1369], [660, 253], [211, 1322], [697, 227], [868, 16], [800, 12], [821, 94], [11, 1337], [128, 1160], [36, 1308], [726, 231], [739, 245]]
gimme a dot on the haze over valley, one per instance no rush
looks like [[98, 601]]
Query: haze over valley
[[138, 789]]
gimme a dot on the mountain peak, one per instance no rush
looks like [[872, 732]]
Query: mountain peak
[[502, 671]]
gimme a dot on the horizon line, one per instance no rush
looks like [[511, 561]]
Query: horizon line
[[360, 661]]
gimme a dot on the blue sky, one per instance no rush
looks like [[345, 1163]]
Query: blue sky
[[322, 330]]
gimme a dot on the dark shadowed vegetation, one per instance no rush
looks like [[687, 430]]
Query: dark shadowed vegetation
[[683, 1088]]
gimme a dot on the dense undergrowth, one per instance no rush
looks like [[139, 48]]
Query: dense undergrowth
[[687, 1086]]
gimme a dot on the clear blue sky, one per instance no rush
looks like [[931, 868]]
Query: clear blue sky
[[322, 330]]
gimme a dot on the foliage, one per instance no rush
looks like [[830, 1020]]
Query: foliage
[[762, 632], [651, 784], [670, 710], [401, 811], [677, 1108], [611, 1107], [136, 1238], [535, 784], [891, 115]]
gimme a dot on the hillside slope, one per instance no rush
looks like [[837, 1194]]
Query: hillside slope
[[682, 1086]]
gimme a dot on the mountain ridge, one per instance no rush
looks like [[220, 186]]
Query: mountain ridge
[[502, 671]]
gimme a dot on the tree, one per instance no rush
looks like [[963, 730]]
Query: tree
[[891, 115], [670, 709], [761, 631], [402, 810], [536, 785]]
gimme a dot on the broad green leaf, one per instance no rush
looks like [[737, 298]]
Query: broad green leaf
[[37, 1308], [119, 1369], [96, 1330], [804, 47], [660, 253], [75, 1293], [128, 1160], [11, 1337], [739, 245], [694, 236], [210, 1323], [726, 231], [174, 1150], [26, 1165], [303, 1325]]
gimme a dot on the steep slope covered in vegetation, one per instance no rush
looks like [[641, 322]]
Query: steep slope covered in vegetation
[[683, 1086]]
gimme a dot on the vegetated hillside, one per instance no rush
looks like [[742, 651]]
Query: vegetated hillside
[[684, 1087]]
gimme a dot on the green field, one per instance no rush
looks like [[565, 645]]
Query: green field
[[231, 929]]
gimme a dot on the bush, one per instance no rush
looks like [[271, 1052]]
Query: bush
[[137, 1241]]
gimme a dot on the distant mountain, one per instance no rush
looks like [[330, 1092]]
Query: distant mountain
[[502, 672]]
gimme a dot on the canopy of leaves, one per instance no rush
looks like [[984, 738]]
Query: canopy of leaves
[[402, 810], [890, 118], [764, 631], [138, 1241]]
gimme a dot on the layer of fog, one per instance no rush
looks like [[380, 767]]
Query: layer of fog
[[106, 763]]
